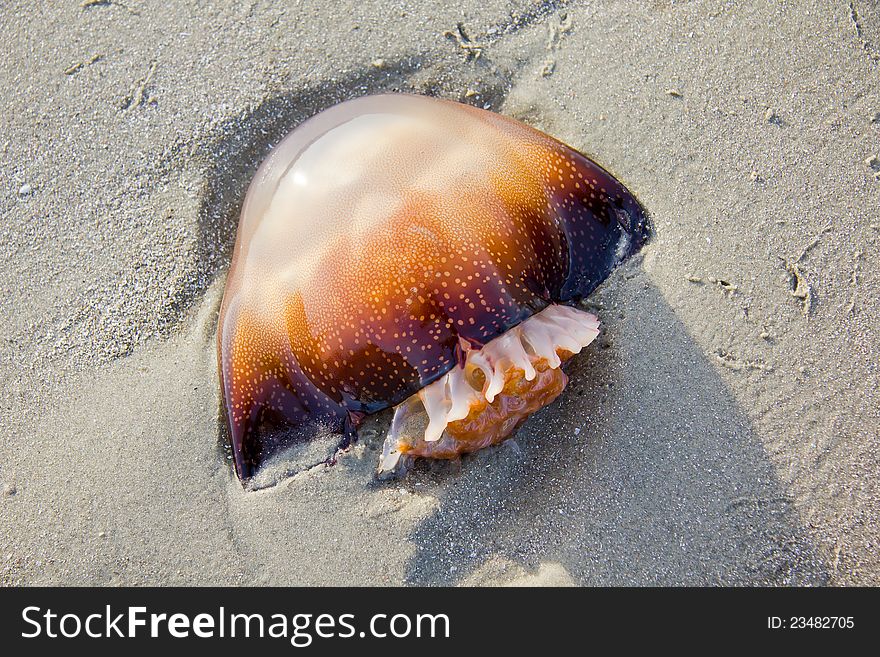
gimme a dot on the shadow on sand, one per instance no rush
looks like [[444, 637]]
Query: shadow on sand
[[665, 482]]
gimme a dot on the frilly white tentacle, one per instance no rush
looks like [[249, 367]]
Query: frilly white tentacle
[[451, 397]]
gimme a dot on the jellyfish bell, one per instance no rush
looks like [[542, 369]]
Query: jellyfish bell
[[403, 251]]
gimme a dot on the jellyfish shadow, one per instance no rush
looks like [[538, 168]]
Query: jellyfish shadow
[[663, 482]]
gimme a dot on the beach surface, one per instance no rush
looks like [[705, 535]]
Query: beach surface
[[724, 429]]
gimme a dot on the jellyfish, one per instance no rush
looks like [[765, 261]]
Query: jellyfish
[[407, 252]]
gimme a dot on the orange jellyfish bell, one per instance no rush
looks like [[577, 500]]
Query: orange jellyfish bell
[[405, 251]]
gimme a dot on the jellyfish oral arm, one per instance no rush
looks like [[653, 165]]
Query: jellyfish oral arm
[[482, 402]]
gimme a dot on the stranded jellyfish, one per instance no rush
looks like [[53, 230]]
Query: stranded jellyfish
[[408, 252]]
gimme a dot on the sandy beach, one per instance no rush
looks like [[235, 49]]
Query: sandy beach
[[723, 430]]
